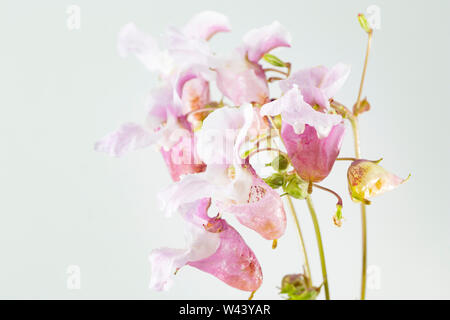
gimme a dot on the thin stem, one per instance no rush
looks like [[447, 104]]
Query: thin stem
[[346, 159], [276, 70], [300, 235], [320, 245], [330, 191], [354, 122], [364, 252], [361, 85]]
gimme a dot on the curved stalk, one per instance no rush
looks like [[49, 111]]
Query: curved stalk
[[300, 235], [320, 245], [354, 122]]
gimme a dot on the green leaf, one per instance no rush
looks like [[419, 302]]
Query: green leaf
[[273, 60]]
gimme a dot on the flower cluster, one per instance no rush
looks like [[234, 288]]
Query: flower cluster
[[209, 144]]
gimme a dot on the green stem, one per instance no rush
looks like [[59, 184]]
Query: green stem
[[294, 214], [320, 245]]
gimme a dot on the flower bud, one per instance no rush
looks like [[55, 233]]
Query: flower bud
[[367, 179], [297, 287], [273, 60], [296, 187], [364, 23], [280, 163], [275, 181]]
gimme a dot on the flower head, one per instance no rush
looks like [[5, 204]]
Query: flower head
[[213, 247], [367, 179]]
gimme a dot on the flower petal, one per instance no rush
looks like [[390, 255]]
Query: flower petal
[[213, 246], [263, 210], [317, 84], [242, 81], [296, 112], [313, 158], [258, 42], [128, 137], [200, 245], [145, 47], [206, 24]]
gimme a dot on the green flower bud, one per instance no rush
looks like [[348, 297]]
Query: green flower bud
[[364, 23], [296, 187], [273, 60], [297, 287], [275, 181], [280, 163]]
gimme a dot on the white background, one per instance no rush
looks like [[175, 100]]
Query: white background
[[63, 204]]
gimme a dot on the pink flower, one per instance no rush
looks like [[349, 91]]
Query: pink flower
[[213, 247], [318, 84], [298, 113], [312, 158], [312, 138], [240, 77], [231, 184]]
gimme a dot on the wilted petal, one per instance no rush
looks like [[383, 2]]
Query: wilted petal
[[367, 179], [206, 24], [312, 158], [128, 137], [296, 112], [263, 210], [260, 41]]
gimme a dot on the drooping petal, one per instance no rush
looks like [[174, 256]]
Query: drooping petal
[[367, 179], [260, 41], [206, 24], [234, 262], [145, 47], [296, 112], [313, 158], [213, 246], [242, 81], [128, 137], [318, 84], [200, 245], [263, 210]]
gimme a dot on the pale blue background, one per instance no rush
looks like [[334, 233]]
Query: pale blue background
[[61, 203]]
